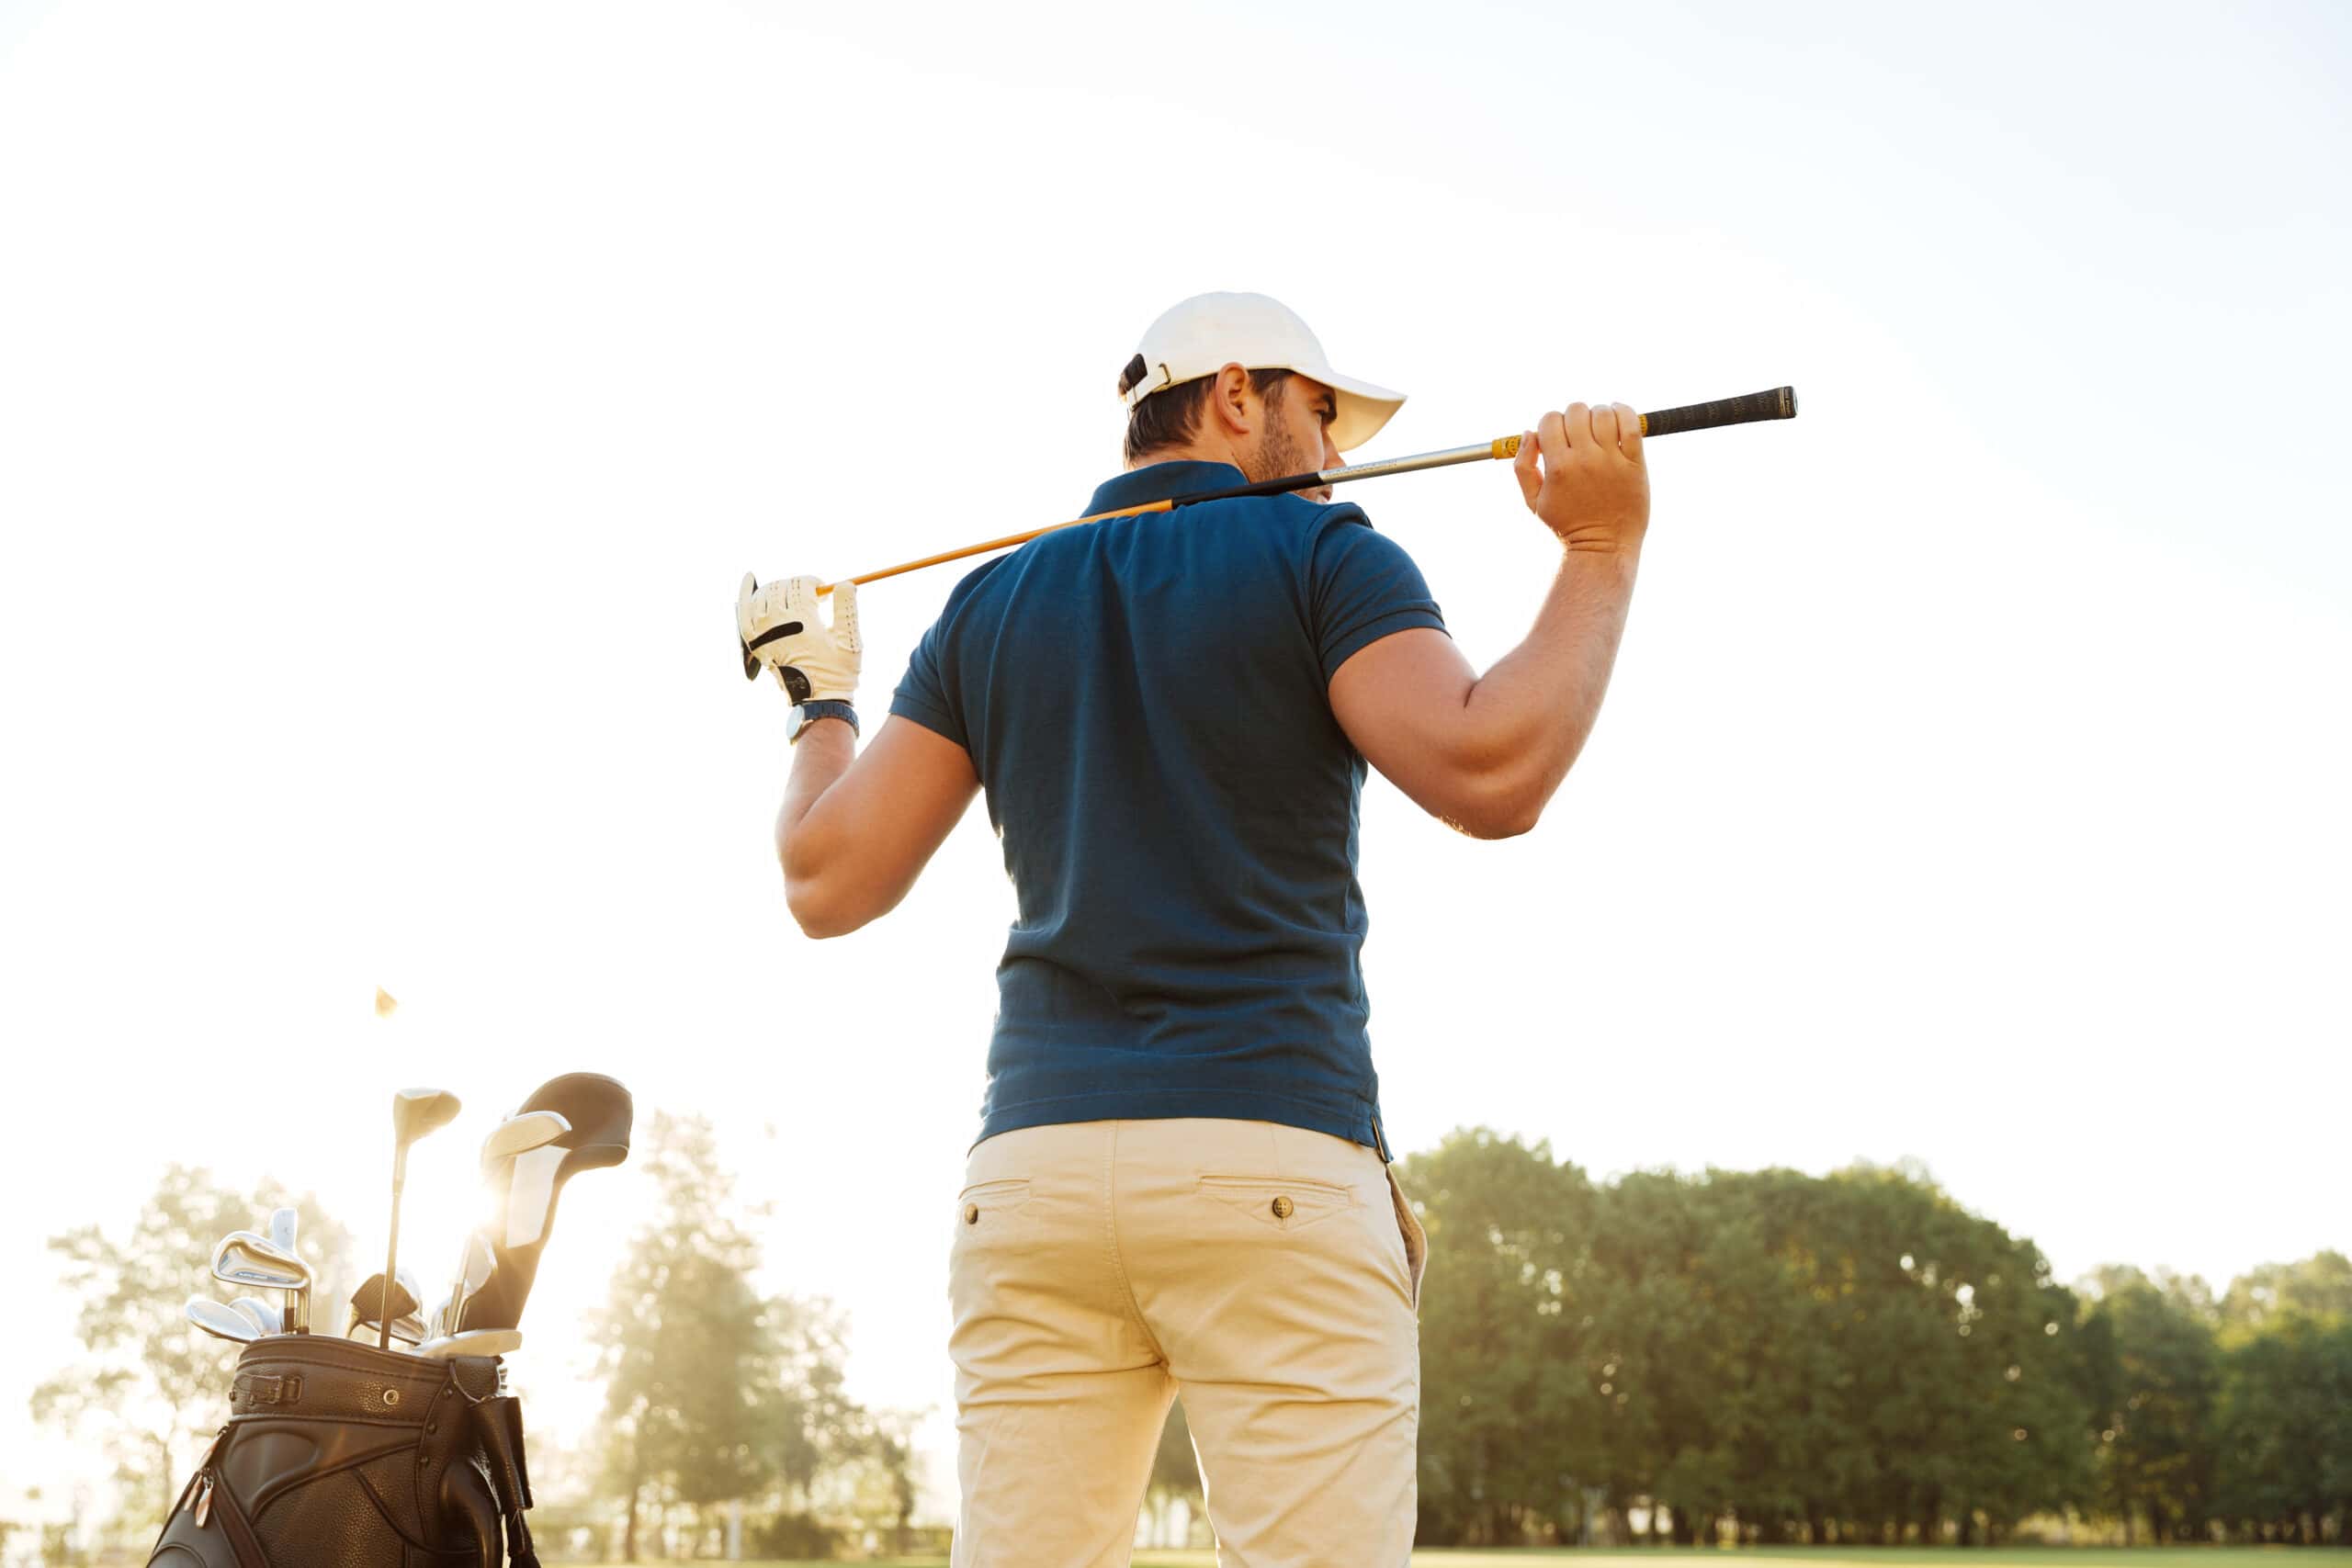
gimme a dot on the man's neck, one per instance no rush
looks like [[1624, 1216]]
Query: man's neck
[[1189, 452]]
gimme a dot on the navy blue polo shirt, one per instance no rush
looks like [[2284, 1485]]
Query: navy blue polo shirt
[[1145, 702]]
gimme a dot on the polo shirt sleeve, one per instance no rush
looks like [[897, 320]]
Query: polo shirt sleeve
[[1362, 586], [925, 695]]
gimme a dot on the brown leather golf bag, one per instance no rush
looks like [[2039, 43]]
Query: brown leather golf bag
[[340, 1455]]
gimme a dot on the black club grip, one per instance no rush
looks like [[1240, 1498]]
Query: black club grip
[[1780, 402]]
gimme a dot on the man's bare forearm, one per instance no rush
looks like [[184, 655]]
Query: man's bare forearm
[[1532, 712], [821, 755]]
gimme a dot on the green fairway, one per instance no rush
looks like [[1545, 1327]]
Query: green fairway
[[1829, 1557]]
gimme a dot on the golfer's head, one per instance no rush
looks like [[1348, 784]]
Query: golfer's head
[[1239, 378]]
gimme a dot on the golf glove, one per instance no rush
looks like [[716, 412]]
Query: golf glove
[[781, 628]]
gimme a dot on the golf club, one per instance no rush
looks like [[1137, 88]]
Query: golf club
[[416, 1112], [284, 1225], [222, 1322], [406, 1281], [475, 1266], [516, 1136], [600, 1111], [1780, 402], [398, 1317], [524, 1129], [244, 1258], [264, 1316], [407, 1332], [473, 1342]]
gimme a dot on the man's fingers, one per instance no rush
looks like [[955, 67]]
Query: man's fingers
[[1579, 421], [1530, 478], [1552, 430], [743, 606], [1604, 426], [846, 617], [1629, 433]]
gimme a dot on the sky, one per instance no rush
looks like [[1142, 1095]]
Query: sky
[[391, 397]]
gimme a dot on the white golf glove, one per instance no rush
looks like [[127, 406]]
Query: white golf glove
[[781, 628]]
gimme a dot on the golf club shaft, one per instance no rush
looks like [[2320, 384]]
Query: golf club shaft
[[391, 1249], [1780, 402]]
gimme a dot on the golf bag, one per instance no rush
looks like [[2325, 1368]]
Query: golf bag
[[340, 1455]]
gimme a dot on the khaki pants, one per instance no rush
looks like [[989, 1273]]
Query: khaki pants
[[1268, 1274]]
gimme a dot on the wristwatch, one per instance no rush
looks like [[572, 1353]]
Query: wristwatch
[[802, 713]]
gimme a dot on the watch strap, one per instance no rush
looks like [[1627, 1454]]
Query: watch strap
[[808, 713]]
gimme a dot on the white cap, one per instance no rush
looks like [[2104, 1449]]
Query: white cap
[[1209, 332]]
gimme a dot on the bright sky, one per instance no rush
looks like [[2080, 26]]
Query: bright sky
[[392, 396]]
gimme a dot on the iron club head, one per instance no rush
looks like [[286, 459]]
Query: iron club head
[[258, 1263], [222, 1322], [263, 1315]]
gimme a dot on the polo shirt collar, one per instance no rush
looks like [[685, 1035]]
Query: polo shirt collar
[[1162, 481]]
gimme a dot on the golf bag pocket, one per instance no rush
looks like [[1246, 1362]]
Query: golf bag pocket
[[340, 1455]]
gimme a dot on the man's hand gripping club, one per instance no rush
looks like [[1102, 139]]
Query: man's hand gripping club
[[781, 628], [855, 830], [1485, 752]]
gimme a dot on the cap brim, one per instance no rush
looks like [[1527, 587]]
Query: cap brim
[[1361, 409]]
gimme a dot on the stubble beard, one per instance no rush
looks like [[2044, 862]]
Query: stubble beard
[[1280, 454]]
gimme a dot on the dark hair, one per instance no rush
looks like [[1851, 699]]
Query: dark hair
[[1172, 416]]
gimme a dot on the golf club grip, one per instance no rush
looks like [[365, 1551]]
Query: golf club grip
[[1780, 402]]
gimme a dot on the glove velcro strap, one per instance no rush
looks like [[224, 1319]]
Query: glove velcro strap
[[775, 634]]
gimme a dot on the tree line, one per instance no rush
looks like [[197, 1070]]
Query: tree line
[[1771, 1357], [1756, 1356]]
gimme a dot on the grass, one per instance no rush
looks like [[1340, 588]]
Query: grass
[[1832, 1557]]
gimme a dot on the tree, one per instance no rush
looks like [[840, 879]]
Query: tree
[[2284, 1427], [1175, 1472], [1854, 1357], [156, 1381], [2320, 1287], [715, 1394], [2156, 1433], [1508, 1407]]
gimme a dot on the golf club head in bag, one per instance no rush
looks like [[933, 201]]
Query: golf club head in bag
[[264, 1316], [257, 1263], [515, 1136], [416, 1113], [600, 1112], [368, 1308], [473, 1342], [222, 1322]]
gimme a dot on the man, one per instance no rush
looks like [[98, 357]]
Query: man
[[1180, 1184]]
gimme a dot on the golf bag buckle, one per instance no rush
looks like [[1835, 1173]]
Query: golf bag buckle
[[254, 1389]]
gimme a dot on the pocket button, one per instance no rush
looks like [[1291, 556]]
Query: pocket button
[[1283, 1207], [971, 1213]]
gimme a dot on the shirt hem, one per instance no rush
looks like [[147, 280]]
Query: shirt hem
[[1357, 640], [930, 717], [1356, 1122]]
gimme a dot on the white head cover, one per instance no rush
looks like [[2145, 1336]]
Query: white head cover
[[1209, 332]]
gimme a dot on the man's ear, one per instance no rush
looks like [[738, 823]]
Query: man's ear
[[1233, 402]]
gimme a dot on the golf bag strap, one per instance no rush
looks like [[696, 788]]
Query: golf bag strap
[[253, 1388], [500, 1423], [521, 1460]]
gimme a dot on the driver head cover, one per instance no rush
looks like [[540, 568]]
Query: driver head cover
[[1206, 333]]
